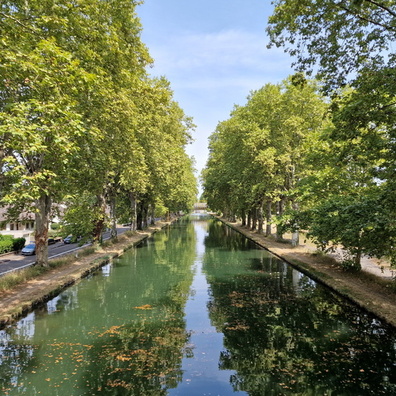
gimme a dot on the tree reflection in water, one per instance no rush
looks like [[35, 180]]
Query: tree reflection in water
[[284, 334], [127, 330]]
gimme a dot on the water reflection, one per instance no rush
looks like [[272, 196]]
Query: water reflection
[[119, 332], [284, 334], [198, 309]]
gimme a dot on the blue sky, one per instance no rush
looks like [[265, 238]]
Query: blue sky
[[214, 53]]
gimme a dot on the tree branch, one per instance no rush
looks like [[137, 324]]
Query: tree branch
[[387, 9], [19, 23], [349, 11]]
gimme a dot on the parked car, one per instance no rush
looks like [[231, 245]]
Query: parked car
[[51, 241], [29, 249], [68, 239], [71, 239]]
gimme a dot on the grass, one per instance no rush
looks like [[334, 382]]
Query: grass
[[12, 279]]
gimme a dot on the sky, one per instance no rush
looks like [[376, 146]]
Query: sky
[[213, 53]]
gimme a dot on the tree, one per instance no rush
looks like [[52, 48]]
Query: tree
[[342, 37], [351, 42], [40, 128], [76, 114], [256, 157]]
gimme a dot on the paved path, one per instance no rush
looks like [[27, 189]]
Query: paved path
[[373, 266]]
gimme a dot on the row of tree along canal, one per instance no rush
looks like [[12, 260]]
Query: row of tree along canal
[[198, 309], [85, 132]]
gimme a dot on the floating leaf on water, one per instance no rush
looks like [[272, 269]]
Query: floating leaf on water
[[146, 306]]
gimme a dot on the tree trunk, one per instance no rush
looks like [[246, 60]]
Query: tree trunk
[[280, 210], [296, 233], [254, 219], [249, 219], [357, 259], [260, 218], [243, 218], [97, 234], [145, 215], [139, 216], [133, 209], [142, 214], [152, 214], [42, 218], [113, 219], [268, 218]]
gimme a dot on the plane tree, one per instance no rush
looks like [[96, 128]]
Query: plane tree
[[351, 42], [257, 154], [40, 127], [339, 39], [73, 102]]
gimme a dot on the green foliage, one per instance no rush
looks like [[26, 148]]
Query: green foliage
[[80, 118], [6, 243], [256, 155], [9, 244], [341, 37], [81, 217], [55, 226], [350, 178], [18, 244]]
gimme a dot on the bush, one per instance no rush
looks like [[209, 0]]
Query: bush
[[6, 243], [55, 226], [18, 244], [9, 244]]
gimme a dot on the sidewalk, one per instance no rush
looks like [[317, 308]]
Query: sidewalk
[[380, 268]]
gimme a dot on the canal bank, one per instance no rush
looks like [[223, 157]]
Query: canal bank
[[26, 296], [374, 293]]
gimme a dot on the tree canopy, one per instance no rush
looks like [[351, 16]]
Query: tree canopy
[[342, 38], [350, 46], [81, 121]]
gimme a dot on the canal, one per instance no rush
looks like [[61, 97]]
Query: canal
[[198, 309]]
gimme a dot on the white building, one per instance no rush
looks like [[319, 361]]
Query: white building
[[21, 228]]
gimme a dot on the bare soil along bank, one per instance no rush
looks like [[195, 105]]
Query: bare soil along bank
[[23, 298], [374, 292]]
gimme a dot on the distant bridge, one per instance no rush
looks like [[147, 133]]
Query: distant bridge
[[200, 207]]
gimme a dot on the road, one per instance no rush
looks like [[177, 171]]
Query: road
[[12, 262]]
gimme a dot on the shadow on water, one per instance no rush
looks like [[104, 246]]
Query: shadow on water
[[225, 238]]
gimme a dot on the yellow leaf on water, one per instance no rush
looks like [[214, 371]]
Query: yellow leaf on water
[[146, 306]]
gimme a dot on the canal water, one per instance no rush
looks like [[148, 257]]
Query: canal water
[[198, 310]]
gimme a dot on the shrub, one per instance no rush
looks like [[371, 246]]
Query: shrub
[[6, 243], [18, 244], [55, 226]]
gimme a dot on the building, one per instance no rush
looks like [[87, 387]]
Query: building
[[23, 227]]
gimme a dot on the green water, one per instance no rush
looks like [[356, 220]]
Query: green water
[[198, 310]]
